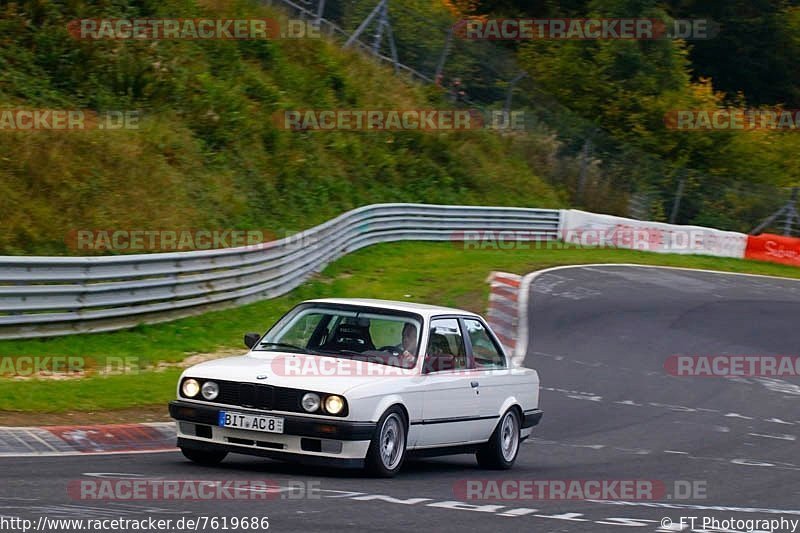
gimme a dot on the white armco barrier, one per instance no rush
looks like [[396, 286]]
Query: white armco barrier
[[43, 296], [590, 229]]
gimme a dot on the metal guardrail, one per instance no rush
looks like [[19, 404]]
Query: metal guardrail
[[46, 296]]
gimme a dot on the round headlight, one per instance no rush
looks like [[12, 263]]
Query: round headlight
[[190, 388], [310, 402], [210, 390], [334, 404]]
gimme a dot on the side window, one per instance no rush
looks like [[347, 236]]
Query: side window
[[445, 346], [484, 350]]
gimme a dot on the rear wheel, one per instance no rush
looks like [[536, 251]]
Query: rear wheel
[[387, 451], [203, 457], [501, 451]]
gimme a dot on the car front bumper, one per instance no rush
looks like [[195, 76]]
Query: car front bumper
[[305, 439]]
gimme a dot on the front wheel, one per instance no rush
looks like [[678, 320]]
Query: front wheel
[[202, 457], [387, 451], [501, 451]]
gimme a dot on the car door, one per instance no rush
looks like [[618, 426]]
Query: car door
[[491, 373], [450, 402]]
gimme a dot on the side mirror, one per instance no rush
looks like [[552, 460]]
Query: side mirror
[[250, 339]]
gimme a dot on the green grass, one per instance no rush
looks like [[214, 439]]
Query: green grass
[[90, 394], [207, 154], [437, 273]]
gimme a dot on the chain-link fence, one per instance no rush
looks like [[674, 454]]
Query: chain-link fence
[[598, 172]]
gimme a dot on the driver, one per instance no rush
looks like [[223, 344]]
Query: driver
[[409, 344], [409, 338]]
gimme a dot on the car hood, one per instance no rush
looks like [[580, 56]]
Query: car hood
[[297, 371]]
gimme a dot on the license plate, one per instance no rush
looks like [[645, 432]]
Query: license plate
[[269, 424]]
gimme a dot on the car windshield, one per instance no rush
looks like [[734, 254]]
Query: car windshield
[[374, 335]]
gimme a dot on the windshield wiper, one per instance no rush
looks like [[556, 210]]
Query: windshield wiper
[[284, 345]]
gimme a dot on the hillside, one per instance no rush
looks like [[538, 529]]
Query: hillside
[[206, 153]]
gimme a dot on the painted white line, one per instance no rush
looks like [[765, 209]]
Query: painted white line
[[737, 415], [86, 454], [79, 426], [698, 507], [528, 279], [778, 421], [778, 437]]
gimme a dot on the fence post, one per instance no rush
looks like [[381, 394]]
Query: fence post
[[382, 23], [791, 213], [364, 24], [320, 10], [448, 43], [676, 204], [510, 91], [393, 48], [585, 153]]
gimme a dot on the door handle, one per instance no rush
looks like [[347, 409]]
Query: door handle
[[473, 384]]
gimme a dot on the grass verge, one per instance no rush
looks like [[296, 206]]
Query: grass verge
[[436, 273]]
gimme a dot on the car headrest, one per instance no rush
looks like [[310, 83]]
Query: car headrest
[[362, 322], [438, 344], [352, 336], [351, 330]]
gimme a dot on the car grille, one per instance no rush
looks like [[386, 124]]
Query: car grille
[[258, 396]]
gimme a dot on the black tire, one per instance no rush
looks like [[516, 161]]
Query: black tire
[[501, 451], [203, 457], [381, 460]]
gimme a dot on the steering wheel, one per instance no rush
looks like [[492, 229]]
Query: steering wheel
[[390, 348]]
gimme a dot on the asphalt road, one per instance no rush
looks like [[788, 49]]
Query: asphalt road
[[599, 338]]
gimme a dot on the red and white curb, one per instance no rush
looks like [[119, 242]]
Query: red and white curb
[[80, 440], [503, 313]]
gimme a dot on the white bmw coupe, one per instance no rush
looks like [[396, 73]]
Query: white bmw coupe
[[361, 383]]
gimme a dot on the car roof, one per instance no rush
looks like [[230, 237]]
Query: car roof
[[421, 309]]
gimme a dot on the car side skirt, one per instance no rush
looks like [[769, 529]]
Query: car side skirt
[[452, 420], [444, 450]]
